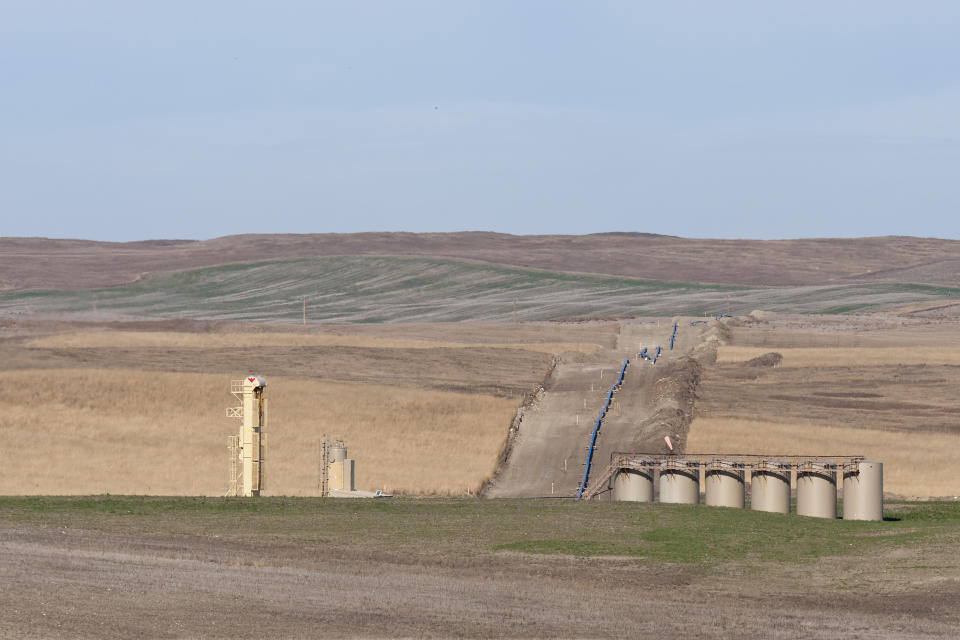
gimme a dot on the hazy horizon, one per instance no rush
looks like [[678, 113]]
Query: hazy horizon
[[127, 121], [477, 231]]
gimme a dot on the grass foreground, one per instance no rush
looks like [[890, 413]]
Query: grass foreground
[[470, 527]]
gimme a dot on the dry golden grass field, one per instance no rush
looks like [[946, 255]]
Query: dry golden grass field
[[915, 465], [846, 356], [425, 408], [101, 431], [103, 409], [171, 339], [884, 391]]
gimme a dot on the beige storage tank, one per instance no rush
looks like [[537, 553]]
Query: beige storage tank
[[634, 484], [337, 453], [770, 486], [817, 489], [341, 475], [724, 483], [680, 481], [863, 490]]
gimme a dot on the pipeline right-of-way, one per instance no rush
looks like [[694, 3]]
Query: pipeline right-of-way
[[596, 427]]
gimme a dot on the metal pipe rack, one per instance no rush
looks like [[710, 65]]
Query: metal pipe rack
[[750, 462]]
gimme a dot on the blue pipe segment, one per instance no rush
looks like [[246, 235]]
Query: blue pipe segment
[[646, 356], [596, 427], [673, 335]]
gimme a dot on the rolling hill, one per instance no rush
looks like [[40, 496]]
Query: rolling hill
[[39, 263], [392, 289]]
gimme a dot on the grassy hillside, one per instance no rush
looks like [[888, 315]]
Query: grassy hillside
[[74, 265], [390, 289]]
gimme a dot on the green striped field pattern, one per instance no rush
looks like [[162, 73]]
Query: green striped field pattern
[[393, 289]]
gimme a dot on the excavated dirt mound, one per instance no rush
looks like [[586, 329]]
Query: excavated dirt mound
[[771, 359]]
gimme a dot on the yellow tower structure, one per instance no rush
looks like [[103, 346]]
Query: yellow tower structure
[[248, 448]]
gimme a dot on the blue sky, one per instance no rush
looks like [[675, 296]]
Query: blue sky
[[135, 120]]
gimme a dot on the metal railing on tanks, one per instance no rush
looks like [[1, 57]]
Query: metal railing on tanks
[[641, 461], [750, 460]]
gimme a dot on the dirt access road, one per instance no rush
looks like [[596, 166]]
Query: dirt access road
[[548, 450]]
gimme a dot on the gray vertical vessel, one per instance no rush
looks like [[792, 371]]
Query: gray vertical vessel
[[680, 481], [770, 486], [863, 490], [634, 483], [817, 489], [338, 452], [724, 483]]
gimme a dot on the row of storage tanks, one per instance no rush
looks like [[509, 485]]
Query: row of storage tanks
[[770, 485]]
